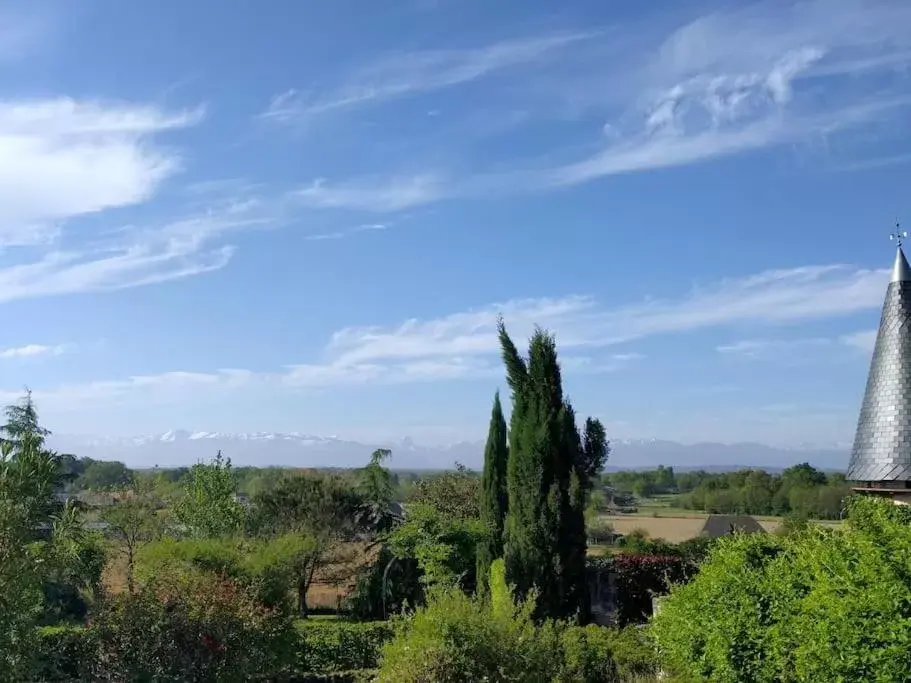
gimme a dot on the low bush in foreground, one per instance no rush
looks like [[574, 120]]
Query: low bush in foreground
[[142, 638], [458, 638], [325, 647], [814, 605]]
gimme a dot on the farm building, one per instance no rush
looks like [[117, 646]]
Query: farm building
[[722, 525]]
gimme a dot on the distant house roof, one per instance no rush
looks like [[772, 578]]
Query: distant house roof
[[723, 525], [397, 509]]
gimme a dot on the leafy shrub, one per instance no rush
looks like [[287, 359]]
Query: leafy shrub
[[385, 586], [455, 495], [136, 638], [813, 605], [444, 547], [191, 627], [459, 638], [326, 647], [456, 638], [268, 567], [595, 653], [63, 653]]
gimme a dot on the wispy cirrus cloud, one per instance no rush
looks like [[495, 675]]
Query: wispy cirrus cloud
[[876, 163], [386, 195], [342, 234], [800, 347], [399, 75], [45, 148], [591, 336], [738, 81], [771, 297], [863, 341], [762, 348], [32, 350]]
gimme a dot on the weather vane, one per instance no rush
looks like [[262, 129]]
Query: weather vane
[[899, 234]]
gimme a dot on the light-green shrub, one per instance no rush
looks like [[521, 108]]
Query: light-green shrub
[[813, 605], [460, 638]]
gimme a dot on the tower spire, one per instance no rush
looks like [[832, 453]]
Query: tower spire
[[881, 457], [901, 272]]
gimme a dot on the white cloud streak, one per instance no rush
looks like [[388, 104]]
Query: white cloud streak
[[387, 195], [864, 341], [801, 347], [400, 75], [750, 78], [32, 350], [47, 145], [464, 345], [771, 297]]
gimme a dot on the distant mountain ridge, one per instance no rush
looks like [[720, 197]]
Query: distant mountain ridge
[[176, 448]]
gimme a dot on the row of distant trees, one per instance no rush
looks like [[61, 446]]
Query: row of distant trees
[[800, 490]]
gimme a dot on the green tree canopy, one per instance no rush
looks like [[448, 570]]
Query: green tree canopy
[[317, 513], [454, 493], [104, 475], [816, 604], [207, 507], [377, 490], [133, 521]]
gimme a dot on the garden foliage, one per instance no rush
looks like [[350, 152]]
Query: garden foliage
[[814, 605], [459, 638]]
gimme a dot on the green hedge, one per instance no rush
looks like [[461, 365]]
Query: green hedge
[[334, 646], [64, 653], [329, 651]]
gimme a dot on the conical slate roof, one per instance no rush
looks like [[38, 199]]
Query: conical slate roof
[[882, 445]]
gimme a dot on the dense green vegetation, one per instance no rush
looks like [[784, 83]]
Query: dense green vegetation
[[482, 577], [817, 604], [494, 492], [550, 472], [801, 490], [459, 638]]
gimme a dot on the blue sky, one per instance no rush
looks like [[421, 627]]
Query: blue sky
[[305, 216]]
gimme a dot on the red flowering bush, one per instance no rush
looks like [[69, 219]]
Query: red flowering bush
[[191, 627], [638, 578]]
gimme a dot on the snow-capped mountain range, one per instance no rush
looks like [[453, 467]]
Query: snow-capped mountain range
[[181, 448]]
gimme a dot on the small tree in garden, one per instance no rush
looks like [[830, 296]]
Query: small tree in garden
[[321, 508], [29, 473], [494, 496], [454, 494], [133, 522], [207, 507], [457, 638], [444, 547], [377, 491]]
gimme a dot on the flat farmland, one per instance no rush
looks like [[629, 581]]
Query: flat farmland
[[671, 528]]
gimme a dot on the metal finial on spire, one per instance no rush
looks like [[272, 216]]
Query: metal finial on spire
[[899, 234]]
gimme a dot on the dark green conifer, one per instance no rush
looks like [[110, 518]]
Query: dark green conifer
[[493, 493], [550, 472]]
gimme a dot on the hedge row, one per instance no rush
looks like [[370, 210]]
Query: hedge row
[[331, 646], [328, 651]]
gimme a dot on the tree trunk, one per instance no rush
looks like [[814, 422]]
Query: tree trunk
[[302, 587], [302, 599], [130, 586]]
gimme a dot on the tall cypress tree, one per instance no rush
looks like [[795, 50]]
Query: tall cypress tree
[[550, 472], [493, 493]]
